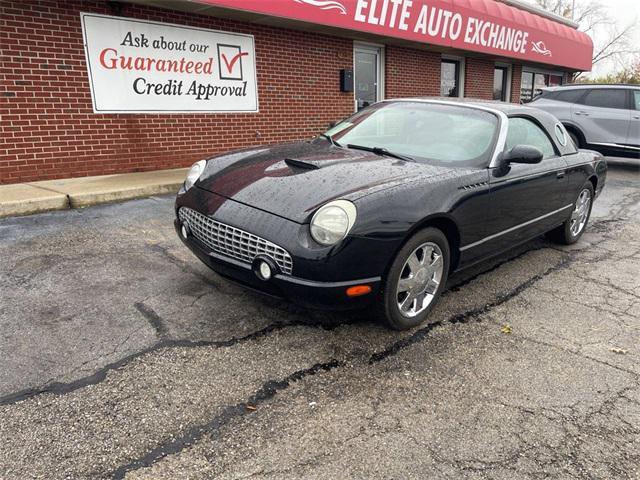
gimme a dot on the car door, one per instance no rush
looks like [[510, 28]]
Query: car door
[[633, 139], [603, 115], [526, 200]]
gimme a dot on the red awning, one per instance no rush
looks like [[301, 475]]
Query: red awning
[[485, 26]]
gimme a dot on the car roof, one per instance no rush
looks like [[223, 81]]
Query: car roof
[[582, 86], [504, 107]]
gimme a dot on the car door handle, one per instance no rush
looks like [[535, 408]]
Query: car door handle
[[637, 117], [582, 112], [560, 174]]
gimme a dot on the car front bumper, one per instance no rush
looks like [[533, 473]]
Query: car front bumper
[[308, 293]]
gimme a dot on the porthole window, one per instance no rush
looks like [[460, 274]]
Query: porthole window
[[561, 135]]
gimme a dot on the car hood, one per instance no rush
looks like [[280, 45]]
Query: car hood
[[292, 180]]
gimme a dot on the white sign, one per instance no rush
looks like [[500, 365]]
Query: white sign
[[137, 66]]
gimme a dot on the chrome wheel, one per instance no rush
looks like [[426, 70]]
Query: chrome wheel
[[580, 212], [419, 279]]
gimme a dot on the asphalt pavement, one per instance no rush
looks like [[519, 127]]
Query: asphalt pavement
[[123, 356]]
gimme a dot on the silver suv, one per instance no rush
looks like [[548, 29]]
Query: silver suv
[[605, 118]]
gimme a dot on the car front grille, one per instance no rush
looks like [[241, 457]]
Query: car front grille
[[232, 241]]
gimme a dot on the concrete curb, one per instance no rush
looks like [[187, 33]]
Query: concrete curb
[[24, 199], [82, 199], [37, 197]]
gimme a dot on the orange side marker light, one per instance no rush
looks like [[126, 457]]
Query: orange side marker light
[[358, 290]]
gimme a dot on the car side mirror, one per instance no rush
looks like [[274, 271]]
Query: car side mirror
[[522, 154], [332, 124]]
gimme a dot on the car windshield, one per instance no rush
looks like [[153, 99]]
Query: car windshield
[[427, 132]]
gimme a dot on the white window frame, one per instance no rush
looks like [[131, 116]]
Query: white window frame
[[463, 68], [377, 48], [509, 68]]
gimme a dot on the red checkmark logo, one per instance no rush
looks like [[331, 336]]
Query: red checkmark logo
[[234, 59]]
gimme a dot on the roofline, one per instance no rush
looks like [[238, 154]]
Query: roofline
[[540, 11]]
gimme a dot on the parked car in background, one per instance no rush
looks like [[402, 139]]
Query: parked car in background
[[605, 118], [383, 206]]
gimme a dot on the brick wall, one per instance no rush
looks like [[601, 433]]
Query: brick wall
[[478, 81], [516, 79], [411, 72], [49, 130]]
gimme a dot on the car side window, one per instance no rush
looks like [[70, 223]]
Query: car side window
[[523, 131], [570, 96], [636, 99], [606, 98]]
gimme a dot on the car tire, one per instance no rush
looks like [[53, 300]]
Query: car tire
[[423, 262], [570, 231]]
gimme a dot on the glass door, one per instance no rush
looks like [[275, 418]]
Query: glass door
[[367, 75], [449, 78], [500, 75]]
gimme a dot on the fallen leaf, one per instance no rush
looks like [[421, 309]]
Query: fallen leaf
[[506, 329], [251, 408], [620, 351]]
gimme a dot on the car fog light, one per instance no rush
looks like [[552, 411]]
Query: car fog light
[[265, 270], [184, 230]]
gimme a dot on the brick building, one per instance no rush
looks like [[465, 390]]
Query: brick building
[[72, 106]]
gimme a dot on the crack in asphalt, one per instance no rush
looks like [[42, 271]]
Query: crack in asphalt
[[62, 388], [153, 318], [232, 411], [182, 265], [267, 391], [469, 315], [271, 387], [578, 353]]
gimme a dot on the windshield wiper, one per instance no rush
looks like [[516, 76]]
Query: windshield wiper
[[381, 151], [333, 142]]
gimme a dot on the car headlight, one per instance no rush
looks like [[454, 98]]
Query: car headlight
[[194, 174], [332, 222]]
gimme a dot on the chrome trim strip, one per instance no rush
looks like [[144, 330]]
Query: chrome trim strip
[[504, 180], [509, 230], [313, 283], [617, 145]]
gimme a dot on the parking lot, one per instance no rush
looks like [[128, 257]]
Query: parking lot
[[123, 356]]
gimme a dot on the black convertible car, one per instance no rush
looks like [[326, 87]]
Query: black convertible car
[[383, 206]]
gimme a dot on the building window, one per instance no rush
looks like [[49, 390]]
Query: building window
[[533, 82], [450, 74], [500, 75], [367, 75]]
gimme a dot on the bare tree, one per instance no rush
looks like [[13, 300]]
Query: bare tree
[[629, 74], [614, 43]]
